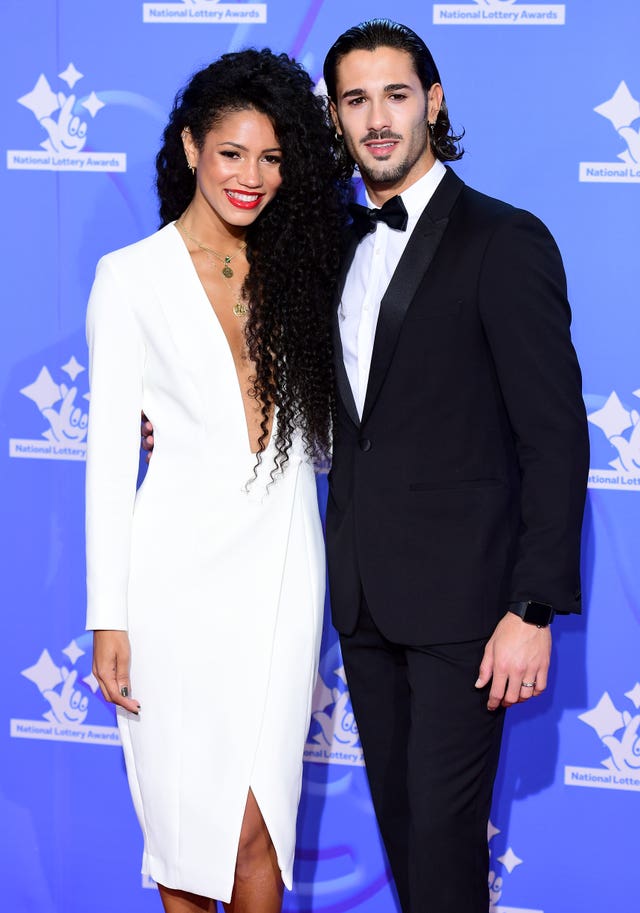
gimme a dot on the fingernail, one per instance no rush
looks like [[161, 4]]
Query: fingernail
[[124, 691], [478, 684]]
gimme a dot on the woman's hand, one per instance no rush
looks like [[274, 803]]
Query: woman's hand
[[111, 658], [146, 433]]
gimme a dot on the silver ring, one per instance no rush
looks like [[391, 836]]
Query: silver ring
[[124, 691], [528, 684]]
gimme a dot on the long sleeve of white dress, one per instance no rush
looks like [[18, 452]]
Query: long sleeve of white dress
[[116, 359]]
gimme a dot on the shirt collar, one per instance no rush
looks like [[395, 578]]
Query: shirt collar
[[416, 197]]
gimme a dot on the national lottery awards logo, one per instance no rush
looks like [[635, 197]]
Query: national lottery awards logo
[[620, 425], [501, 868], [64, 118], [618, 732], [333, 735], [205, 12], [67, 697], [498, 12], [63, 414], [623, 112]]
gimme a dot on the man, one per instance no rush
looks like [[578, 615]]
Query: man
[[459, 467]]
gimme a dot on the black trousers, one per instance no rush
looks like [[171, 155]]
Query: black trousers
[[431, 750]]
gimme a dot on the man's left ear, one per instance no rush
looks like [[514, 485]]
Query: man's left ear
[[435, 97], [333, 111]]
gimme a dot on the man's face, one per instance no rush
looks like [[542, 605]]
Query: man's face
[[382, 112]]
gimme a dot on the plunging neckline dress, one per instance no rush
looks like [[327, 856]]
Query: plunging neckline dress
[[219, 585]]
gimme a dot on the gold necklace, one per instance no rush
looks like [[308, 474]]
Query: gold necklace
[[240, 307], [225, 259]]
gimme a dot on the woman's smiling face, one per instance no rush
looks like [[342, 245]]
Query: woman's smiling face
[[238, 167]]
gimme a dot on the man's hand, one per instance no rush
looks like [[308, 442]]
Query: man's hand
[[517, 658], [111, 658], [146, 431]]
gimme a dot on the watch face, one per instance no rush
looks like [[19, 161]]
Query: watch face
[[538, 613], [534, 613]]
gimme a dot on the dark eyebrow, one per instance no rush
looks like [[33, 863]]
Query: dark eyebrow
[[392, 87], [229, 142]]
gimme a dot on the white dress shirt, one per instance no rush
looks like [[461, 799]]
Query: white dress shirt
[[373, 265]]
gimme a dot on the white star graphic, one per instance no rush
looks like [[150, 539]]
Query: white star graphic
[[71, 75], [322, 695], [634, 695], [492, 831], [73, 367], [613, 418], [43, 391], [45, 674], [509, 860], [92, 682], [73, 651], [604, 717], [92, 104], [41, 99], [621, 109]]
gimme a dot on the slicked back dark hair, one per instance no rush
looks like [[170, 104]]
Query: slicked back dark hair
[[293, 247], [384, 33]]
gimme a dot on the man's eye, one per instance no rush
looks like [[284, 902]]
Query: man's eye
[[355, 101]]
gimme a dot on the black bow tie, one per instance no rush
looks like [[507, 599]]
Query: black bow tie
[[393, 213]]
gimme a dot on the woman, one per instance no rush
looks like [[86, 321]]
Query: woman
[[206, 587]]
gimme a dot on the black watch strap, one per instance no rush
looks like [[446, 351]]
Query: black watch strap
[[534, 613]]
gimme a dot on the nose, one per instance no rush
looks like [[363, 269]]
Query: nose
[[250, 174], [378, 116]]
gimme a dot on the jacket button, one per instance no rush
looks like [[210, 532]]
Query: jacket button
[[365, 444]]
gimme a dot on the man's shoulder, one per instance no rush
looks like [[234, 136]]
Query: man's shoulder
[[484, 206], [490, 212]]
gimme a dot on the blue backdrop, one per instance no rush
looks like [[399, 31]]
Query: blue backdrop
[[549, 95]]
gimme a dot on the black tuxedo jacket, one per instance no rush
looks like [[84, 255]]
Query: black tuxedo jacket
[[463, 486]]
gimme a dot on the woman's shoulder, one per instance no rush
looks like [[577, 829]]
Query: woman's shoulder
[[150, 249]]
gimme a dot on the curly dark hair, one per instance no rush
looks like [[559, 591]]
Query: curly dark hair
[[293, 247], [384, 33]]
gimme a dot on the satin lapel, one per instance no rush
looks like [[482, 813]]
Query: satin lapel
[[342, 380], [413, 265]]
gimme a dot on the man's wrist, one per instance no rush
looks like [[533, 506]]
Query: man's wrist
[[540, 614]]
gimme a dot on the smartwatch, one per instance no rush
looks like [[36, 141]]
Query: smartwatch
[[534, 613]]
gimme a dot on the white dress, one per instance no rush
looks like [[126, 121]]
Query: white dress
[[220, 589]]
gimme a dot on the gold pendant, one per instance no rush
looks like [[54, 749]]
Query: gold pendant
[[226, 269], [240, 309]]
